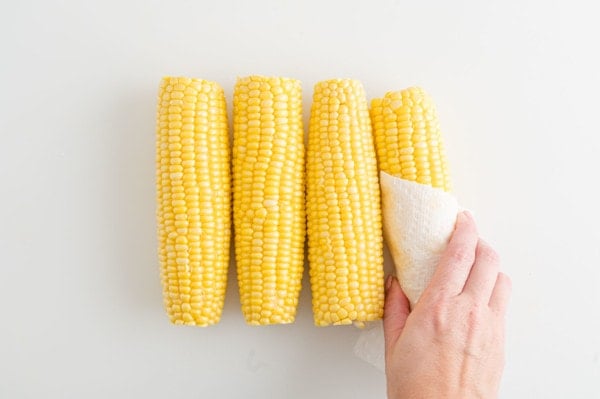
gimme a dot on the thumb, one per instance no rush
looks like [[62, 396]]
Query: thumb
[[395, 313]]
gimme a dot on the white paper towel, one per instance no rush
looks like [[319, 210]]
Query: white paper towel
[[418, 221]]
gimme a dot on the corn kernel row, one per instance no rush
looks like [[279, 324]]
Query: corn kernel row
[[268, 197], [193, 198], [345, 245]]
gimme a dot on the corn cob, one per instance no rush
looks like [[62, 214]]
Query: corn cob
[[268, 187], [343, 207], [408, 139], [193, 193]]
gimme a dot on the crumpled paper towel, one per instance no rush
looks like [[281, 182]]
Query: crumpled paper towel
[[418, 221]]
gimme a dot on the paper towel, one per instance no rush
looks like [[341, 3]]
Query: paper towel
[[418, 221]]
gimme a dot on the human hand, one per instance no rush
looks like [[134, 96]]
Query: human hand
[[451, 345]]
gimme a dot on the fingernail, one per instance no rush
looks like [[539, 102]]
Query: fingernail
[[388, 282]]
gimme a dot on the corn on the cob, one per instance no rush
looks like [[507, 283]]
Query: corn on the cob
[[268, 186], [343, 207], [408, 139], [193, 193]]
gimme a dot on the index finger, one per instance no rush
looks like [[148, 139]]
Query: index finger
[[458, 258]]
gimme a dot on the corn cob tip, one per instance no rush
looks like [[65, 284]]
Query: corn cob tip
[[196, 83], [408, 138], [327, 85], [285, 82]]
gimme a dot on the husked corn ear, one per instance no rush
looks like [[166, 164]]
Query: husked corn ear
[[343, 207], [408, 139], [268, 197], [193, 193]]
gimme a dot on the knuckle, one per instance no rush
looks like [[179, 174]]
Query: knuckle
[[489, 254], [440, 314], [460, 254], [476, 312], [475, 317]]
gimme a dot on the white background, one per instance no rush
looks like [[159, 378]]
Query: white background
[[517, 88]]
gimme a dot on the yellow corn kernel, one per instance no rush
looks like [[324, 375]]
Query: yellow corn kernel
[[268, 197], [408, 139], [343, 207], [193, 196]]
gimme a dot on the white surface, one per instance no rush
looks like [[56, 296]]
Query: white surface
[[517, 90]]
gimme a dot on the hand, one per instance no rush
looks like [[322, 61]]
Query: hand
[[451, 345]]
